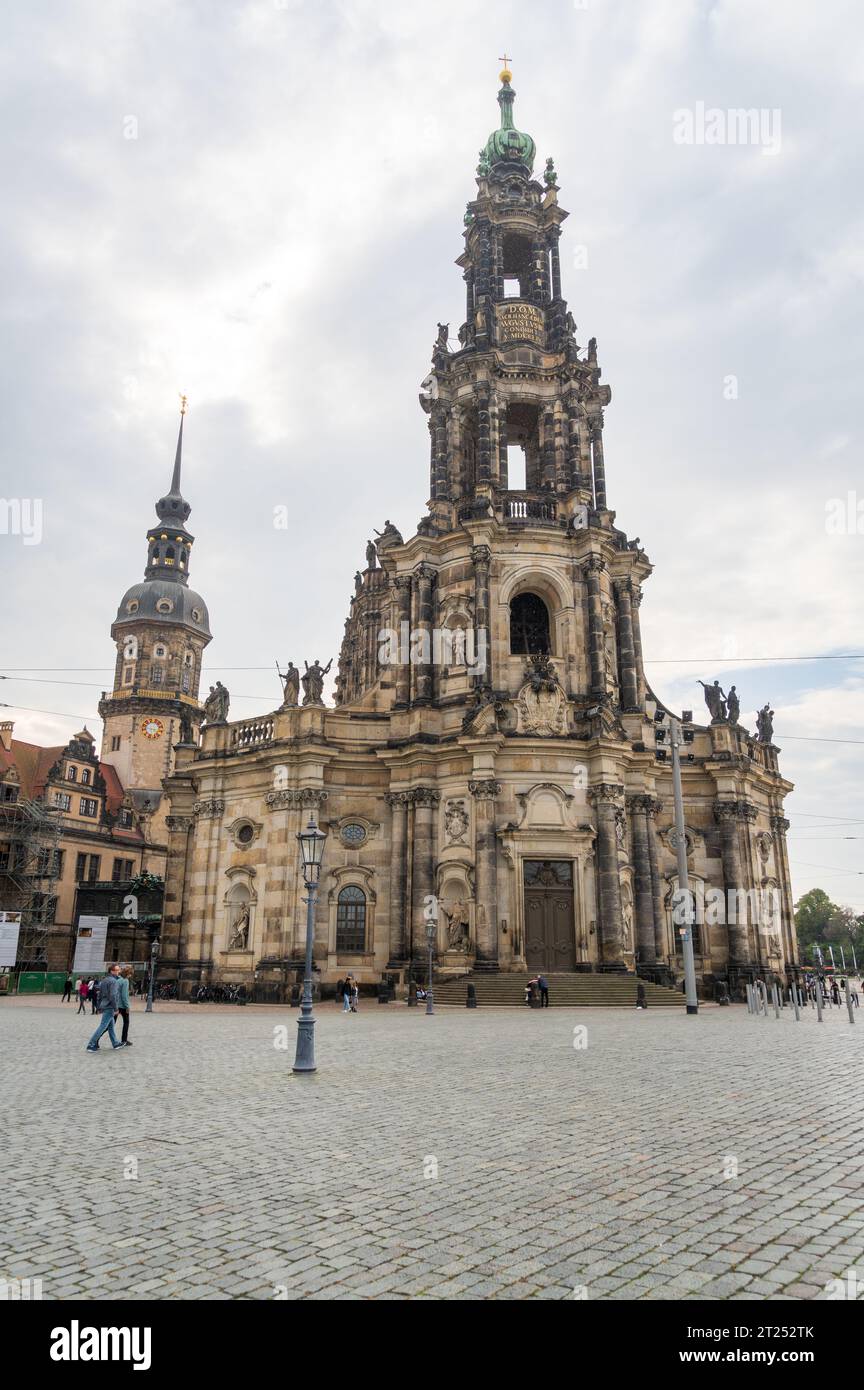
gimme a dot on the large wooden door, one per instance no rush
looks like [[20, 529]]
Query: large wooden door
[[550, 943]]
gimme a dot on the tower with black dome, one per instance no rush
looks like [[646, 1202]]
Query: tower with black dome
[[161, 630]]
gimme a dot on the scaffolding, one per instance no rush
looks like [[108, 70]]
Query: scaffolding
[[29, 866]]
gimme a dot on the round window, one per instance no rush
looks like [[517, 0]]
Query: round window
[[246, 834], [353, 834]]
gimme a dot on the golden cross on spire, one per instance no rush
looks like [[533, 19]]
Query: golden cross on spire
[[505, 60], [505, 73], [183, 405]]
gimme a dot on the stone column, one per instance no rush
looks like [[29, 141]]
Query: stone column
[[638, 807], [425, 800], [503, 460], [424, 576], [626, 648], [469, 301], [779, 826], [398, 803], [554, 236], [605, 797], [635, 602], [481, 557], [574, 468], [728, 814], [484, 438], [548, 450], [592, 570], [402, 585], [660, 942], [599, 465], [176, 878], [486, 869]]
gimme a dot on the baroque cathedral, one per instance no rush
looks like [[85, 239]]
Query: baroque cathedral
[[494, 748]]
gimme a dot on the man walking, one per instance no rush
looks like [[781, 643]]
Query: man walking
[[91, 995], [108, 997], [543, 986], [67, 989]]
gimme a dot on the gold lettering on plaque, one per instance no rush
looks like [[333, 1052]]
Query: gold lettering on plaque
[[520, 321]]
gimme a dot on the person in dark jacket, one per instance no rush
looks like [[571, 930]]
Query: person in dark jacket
[[108, 996], [543, 986], [67, 989], [83, 995], [123, 1006]]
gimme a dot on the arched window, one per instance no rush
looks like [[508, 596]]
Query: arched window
[[351, 920], [529, 626]]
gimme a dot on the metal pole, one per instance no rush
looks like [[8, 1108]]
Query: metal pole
[[843, 959], [818, 1000], [304, 1056], [775, 998], [854, 962], [848, 1000], [749, 996], [154, 947], [683, 881], [430, 1006], [794, 993]]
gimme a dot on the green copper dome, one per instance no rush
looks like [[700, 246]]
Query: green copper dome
[[507, 144]]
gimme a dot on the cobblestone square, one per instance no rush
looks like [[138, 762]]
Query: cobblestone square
[[476, 1154]]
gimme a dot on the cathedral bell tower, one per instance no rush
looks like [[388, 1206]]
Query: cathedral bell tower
[[161, 630], [518, 392]]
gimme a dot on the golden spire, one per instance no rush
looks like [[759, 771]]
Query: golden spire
[[183, 405], [505, 74]]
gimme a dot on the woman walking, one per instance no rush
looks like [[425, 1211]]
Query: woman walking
[[346, 995], [82, 996]]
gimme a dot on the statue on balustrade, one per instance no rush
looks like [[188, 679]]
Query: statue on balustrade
[[216, 704], [313, 682]]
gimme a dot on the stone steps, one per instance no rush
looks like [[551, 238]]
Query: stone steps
[[565, 991]]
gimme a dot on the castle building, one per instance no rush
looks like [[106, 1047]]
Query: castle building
[[76, 826], [495, 747], [160, 632]]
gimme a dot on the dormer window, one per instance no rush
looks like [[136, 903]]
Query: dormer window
[[71, 774], [85, 776], [164, 605], [132, 606], [196, 615]]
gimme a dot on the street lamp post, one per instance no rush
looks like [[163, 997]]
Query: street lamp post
[[312, 849], [430, 938], [675, 739], [154, 951]]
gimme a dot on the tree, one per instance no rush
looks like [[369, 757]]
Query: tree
[[814, 913]]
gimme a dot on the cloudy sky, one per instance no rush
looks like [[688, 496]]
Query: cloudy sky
[[259, 204]]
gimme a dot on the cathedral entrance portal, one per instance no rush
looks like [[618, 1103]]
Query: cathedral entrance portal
[[550, 942]]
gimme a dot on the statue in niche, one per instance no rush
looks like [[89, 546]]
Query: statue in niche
[[239, 939], [457, 927]]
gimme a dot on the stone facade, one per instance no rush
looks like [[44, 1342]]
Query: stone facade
[[495, 745]]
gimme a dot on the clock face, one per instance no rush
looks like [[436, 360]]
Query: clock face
[[152, 728]]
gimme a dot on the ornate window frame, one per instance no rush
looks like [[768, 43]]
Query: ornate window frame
[[351, 876]]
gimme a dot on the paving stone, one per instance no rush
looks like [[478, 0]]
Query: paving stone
[[251, 1179]]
